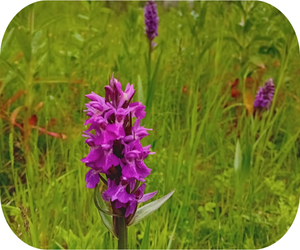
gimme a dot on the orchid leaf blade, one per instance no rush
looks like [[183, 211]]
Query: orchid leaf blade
[[238, 157], [144, 211]]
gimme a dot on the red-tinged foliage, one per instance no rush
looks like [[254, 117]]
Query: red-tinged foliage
[[248, 102], [32, 120], [79, 81], [45, 131], [51, 123], [39, 106], [249, 79], [235, 93], [11, 100], [14, 115], [18, 56], [276, 63], [235, 83]]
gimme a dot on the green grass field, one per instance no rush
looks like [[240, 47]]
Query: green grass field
[[54, 53]]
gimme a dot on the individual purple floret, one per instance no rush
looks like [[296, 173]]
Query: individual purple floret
[[125, 200], [264, 96], [115, 147], [151, 20], [133, 162]]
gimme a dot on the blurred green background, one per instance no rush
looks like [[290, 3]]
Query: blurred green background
[[209, 61]]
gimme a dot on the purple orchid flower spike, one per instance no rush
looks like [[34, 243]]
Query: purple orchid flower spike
[[115, 148], [264, 96], [151, 20], [117, 156]]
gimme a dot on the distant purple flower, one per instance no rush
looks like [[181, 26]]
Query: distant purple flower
[[264, 96], [115, 147], [151, 19]]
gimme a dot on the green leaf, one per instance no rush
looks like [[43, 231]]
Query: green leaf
[[78, 37], [234, 40], [247, 26], [106, 10], [146, 240], [95, 39], [240, 6], [24, 41], [273, 51], [103, 211], [257, 61], [11, 148], [97, 54], [238, 156], [151, 88], [148, 209], [209, 207], [263, 50], [247, 158], [50, 21], [140, 90], [259, 38], [125, 46], [41, 59], [206, 47], [6, 39], [83, 17], [13, 69], [86, 5], [201, 19], [156, 67], [147, 63], [37, 42]]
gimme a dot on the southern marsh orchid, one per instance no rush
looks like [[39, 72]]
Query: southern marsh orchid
[[264, 96], [151, 19], [117, 157]]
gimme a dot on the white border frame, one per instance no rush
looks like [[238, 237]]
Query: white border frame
[[9, 8]]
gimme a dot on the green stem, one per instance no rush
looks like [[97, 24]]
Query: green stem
[[122, 232], [149, 76], [149, 65]]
